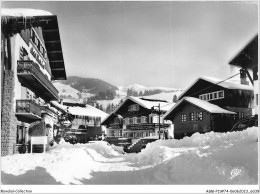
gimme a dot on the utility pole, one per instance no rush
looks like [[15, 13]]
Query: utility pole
[[159, 122]]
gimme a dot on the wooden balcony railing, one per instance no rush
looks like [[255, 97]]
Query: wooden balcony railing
[[28, 109], [49, 111], [146, 126], [115, 125], [33, 78]]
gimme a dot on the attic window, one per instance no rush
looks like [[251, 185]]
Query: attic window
[[134, 107]]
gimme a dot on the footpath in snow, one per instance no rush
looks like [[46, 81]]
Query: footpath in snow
[[211, 158]]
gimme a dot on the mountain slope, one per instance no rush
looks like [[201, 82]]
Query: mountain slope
[[89, 85]]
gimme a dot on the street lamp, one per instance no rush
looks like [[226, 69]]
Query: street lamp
[[159, 119]]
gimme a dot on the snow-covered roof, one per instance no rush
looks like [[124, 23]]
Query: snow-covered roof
[[16, 20], [87, 111], [225, 84], [145, 103], [20, 12], [59, 106], [207, 106]]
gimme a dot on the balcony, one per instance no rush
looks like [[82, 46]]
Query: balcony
[[146, 126], [27, 111], [30, 75], [49, 111], [115, 125]]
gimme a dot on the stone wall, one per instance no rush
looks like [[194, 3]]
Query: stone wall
[[8, 124]]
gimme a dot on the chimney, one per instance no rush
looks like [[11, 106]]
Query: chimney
[[243, 77], [61, 101]]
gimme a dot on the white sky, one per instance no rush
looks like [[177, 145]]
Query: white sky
[[160, 43]]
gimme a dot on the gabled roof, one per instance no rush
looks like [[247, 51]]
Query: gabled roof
[[164, 106], [247, 57], [211, 108], [80, 111], [224, 84], [15, 20]]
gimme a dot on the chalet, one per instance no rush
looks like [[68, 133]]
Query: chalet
[[137, 118], [247, 62], [191, 115], [209, 104], [31, 59], [85, 120]]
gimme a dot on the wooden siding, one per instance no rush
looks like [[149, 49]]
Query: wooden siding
[[232, 98], [190, 126], [123, 111]]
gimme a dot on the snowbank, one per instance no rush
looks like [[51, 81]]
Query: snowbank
[[211, 158]]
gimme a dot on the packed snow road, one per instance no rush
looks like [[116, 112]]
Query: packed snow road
[[211, 158]]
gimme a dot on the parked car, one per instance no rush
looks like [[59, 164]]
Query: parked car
[[71, 138]]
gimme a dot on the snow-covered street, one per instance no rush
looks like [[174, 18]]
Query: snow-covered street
[[211, 158]]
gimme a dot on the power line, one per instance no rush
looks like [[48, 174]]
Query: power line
[[215, 84]]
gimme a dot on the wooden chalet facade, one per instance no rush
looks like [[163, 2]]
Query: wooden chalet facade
[[31, 59], [137, 118], [247, 62], [210, 104]]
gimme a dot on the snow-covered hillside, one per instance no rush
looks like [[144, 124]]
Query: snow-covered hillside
[[211, 158], [67, 90], [140, 88]]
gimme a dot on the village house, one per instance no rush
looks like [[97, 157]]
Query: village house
[[209, 104], [31, 59], [137, 118], [85, 120]]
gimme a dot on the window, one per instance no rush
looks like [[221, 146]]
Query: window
[[221, 94], [134, 120], [192, 116], [156, 119], [139, 120], [127, 121], [212, 96], [134, 107], [242, 115], [143, 119], [183, 118], [131, 120], [200, 116], [256, 99]]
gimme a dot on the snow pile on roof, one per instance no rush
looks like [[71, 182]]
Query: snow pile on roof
[[24, 12], [87, 111], [227, 84], [212, 108], [59, 106], [145, 103], [209, 158]]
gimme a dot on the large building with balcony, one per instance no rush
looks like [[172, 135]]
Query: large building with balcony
[[210, 104], [31, 59], [137, 118]]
